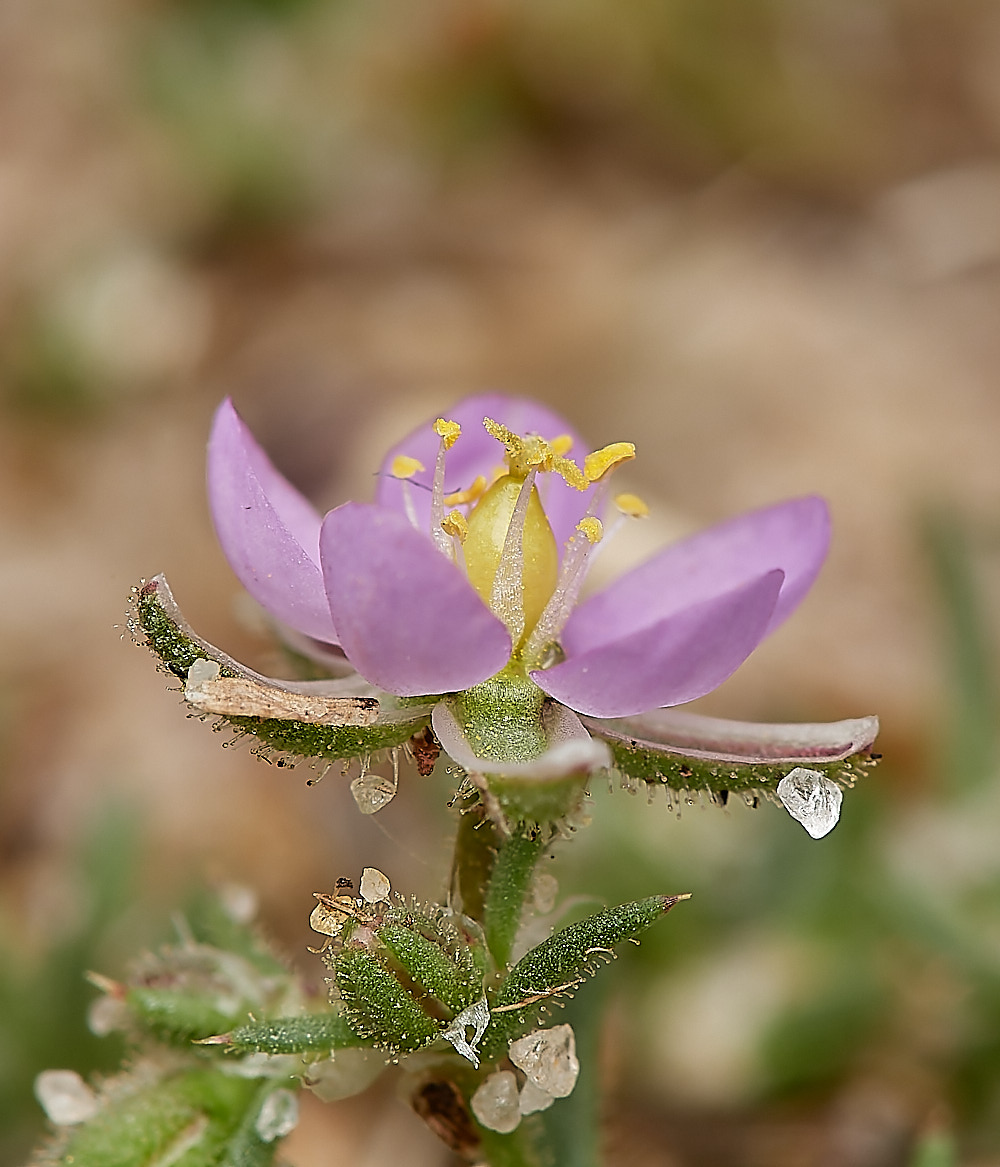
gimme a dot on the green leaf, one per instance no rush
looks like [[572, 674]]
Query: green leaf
[[307, 1033], [176, 1016], [557, 966], [197, 1119], [511, 879]]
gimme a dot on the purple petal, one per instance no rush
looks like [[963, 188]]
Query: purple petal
[[717, 739], [792, 536], [268, 531], [408, 618], [476, 452], [681, 657]]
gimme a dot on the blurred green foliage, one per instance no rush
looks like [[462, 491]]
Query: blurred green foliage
[[44, 997], [891, 937]]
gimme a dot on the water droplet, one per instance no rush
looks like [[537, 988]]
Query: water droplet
[[65, 1097], [372, 792], [548, 1058], [374, 886], [811, 799], [533, 1098], [278, 1116], [495, 1103]]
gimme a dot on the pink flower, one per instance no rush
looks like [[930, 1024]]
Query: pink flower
[[462, 579]]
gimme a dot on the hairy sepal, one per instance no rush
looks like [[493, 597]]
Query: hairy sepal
[[323, 720], [688, 753]]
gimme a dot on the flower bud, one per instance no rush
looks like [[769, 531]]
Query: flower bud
[[404, 972]]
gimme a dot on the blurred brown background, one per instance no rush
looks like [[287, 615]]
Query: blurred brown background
[[762, 240]]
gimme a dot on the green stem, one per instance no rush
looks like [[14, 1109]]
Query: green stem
[[472, 867], [508, 889]]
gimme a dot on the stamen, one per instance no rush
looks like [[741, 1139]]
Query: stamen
[[507, 598], [631, 505], [533, 452], [572, 572], [404, 467], [455, 524], [448, 432], [597, 464], [592, 527], [561, 445], [570, 473], [460, 498]]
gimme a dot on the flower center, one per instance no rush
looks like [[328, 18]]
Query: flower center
[[505, 539]]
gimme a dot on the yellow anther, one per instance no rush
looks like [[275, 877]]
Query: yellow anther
[[502, 434], [592, 528], [447, 431], [403, 466], [456, 524], [533, 452], [570, 473], [561, 445], [631, 505], [461, 497], [597, 464]]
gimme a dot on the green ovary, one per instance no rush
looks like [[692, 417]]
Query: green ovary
[[488, 524]]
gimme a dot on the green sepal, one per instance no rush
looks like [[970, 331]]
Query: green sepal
[[377, 1006], [685, 775], [505, 722], [558, 965], [307, 1033], [541, 801], [156, 620], [430, 966], [175, 1016], [201, 1118]]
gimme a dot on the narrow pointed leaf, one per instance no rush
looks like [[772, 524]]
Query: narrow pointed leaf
[[307, 1033], [557, 966]]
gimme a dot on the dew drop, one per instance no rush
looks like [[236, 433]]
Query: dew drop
[[811, 799], [533, 1098], [65, 1097], [495, 1103], [374, 886], [548, 1058], [278, 1116], [372, 791]]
